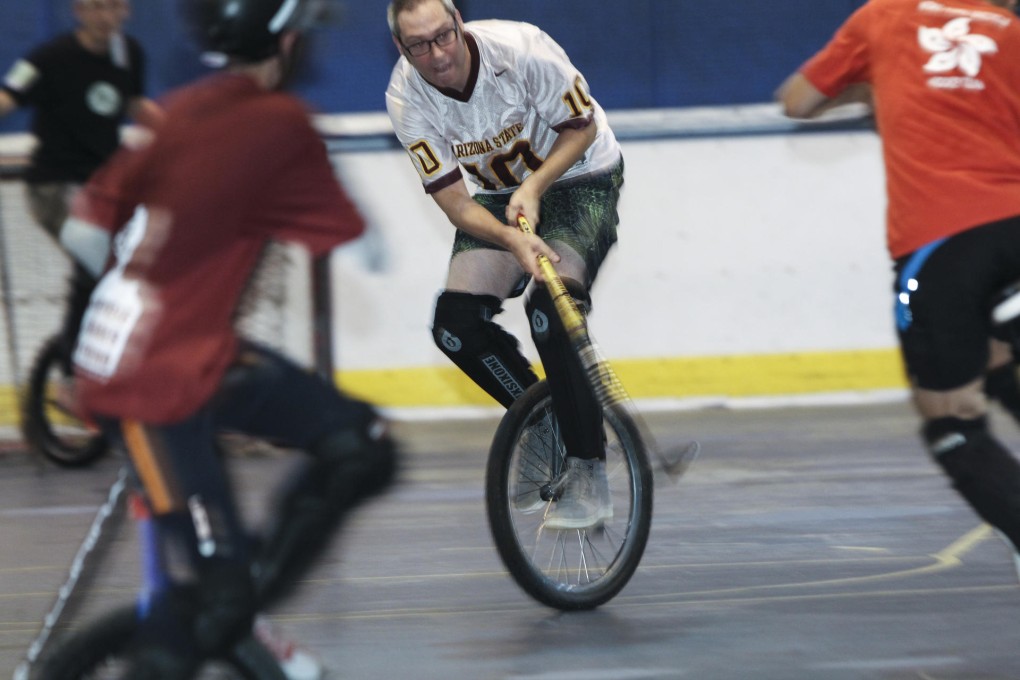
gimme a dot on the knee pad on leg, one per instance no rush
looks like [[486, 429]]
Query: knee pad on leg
[[463, 329], [542, 315], [226, 606], [982, 470], [347, 467], [575, 404], [356, 463], [942, 436]]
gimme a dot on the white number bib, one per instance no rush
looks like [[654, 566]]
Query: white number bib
[[112, 315], [115, 307]]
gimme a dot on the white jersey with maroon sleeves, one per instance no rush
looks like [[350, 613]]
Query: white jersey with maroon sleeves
[[521, 92]]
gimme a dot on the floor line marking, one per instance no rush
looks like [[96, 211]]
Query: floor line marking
[[949, 557]]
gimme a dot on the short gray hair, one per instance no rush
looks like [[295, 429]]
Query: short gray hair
[[398, 6]]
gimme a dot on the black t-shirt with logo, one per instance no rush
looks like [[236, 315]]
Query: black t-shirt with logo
[[79, 100]]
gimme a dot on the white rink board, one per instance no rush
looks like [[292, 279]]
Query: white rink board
[[728, 245], [739, 240]]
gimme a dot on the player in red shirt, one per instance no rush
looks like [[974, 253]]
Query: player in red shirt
[[235, 165], [942, 75]]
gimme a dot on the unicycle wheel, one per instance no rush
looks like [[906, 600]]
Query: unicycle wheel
[[48, 422], [567, 569], [99, 651]]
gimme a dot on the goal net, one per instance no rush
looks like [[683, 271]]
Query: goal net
[[34, 273]]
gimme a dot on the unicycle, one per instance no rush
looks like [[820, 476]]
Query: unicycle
[[99, 650], [578, 568], [568, 569], [48, 423]]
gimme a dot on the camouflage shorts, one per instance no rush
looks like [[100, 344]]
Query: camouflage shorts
[[580, 212]]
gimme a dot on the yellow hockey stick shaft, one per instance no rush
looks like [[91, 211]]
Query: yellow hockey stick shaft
[[607, 386]]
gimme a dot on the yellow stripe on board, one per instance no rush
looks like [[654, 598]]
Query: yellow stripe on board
[[9, 408], [680, 378], [732, 376]]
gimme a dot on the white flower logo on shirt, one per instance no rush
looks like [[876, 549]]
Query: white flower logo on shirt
[[955, 47]]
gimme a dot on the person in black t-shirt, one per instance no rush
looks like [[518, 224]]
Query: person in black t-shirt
[[81, 86]]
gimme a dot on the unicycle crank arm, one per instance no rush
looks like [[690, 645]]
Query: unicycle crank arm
[[553, 491]]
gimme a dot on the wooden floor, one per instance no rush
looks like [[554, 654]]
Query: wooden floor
[[814, 543]]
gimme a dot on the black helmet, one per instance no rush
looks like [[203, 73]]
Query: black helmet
[[249, 30]]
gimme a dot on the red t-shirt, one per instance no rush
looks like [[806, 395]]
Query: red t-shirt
[[232, 167], [946, 81]]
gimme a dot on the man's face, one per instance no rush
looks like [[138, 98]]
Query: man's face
[[99, 20], [445, 66]]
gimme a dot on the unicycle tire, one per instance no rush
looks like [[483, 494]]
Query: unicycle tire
[[567, 569], [48, 428], [99, 651]]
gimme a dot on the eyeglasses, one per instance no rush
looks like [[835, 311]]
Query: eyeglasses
[[423, 47]]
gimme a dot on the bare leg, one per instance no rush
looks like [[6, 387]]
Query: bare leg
[[484, 272], [966, 402]]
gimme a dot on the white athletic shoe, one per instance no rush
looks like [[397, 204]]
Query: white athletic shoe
[[586, 502], [296, 662]]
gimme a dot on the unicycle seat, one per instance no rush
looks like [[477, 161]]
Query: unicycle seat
[[1006, 305]]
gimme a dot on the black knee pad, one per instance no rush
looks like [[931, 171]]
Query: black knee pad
[[943, 435], [575, 404], [363, 459], [542, 316], [982, 470], [347, 467], [465, 332], [226, 606], [461, 320]]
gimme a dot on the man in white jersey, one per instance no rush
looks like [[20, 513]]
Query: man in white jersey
[[501, 101]]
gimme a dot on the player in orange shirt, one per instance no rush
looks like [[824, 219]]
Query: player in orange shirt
[[941, 76]]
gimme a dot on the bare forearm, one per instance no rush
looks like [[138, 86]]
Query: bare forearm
[[801, 99], [569, 147], [7, 103], [467, 215]]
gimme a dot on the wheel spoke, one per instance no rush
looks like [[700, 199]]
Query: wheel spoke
[[566, 568]]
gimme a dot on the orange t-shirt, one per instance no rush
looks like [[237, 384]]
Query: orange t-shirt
[[946, 81]]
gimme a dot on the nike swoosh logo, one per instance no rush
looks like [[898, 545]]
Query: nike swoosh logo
[[499, 73]]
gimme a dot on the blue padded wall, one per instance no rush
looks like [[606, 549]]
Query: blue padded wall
[[635, 54]]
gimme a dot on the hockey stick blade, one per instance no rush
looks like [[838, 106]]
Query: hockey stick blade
[[677, 460]]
